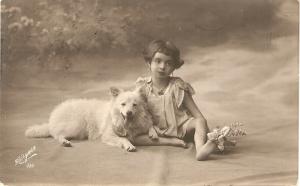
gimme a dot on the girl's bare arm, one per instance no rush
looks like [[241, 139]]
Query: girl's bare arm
[[189, 103]]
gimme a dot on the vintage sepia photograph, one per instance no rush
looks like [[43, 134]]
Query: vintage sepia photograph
[[161, 92]]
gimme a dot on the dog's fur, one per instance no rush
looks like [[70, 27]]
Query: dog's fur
[[116, 122]]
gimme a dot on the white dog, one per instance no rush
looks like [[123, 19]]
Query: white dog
[[116, 122]]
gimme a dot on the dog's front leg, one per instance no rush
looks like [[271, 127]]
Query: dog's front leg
[[127, 145], [121, 142]]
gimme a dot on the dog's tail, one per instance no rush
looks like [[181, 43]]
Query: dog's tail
[[38, 131]]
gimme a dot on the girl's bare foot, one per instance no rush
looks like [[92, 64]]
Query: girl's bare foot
[[208, 148]]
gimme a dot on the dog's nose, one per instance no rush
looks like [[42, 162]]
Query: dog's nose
[[129, 113]]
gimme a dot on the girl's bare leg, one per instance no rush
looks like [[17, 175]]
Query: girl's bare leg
[[145, 140], [203, 147]]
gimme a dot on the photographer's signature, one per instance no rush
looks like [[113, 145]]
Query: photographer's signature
[[24, 158]]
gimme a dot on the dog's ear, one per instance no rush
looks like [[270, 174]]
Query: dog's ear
[[115, 91], [142, 92]]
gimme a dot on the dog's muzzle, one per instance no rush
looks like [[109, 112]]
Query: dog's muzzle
[[128, 116]]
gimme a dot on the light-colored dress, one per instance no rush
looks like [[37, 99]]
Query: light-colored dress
[[170, 116]]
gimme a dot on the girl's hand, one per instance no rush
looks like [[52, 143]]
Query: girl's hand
[[152, 134]]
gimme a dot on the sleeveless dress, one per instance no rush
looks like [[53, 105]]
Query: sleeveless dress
[[170, 116]]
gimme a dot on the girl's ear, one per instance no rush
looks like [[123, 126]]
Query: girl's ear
[[115, 91]]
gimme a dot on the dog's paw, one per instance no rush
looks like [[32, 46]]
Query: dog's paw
[[129, 147], [67, 144]]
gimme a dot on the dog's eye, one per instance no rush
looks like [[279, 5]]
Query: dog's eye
[[134, 104], [123, 104]]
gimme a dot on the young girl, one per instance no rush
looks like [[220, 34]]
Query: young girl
[[170, 100]]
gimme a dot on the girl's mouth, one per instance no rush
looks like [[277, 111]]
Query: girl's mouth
[[161, 72]]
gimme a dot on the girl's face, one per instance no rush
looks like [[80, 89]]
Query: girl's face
[[161, 65]]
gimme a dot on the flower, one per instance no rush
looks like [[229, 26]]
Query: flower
[[219, 135]]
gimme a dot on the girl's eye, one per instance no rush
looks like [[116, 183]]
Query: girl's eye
[[134, 104], [157, 60], [123, 104]]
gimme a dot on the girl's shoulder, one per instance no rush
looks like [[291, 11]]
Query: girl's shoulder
[[179, 83], [176, 84], [178, 88]]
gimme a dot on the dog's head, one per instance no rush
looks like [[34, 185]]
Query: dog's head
[[126, 105]]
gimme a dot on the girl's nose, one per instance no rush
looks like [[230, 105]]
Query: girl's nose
[[162, 65]]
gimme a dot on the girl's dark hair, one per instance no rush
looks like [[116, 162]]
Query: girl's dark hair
[[165, 47]]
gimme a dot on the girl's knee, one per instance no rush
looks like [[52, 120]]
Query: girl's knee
[[201, 123]]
